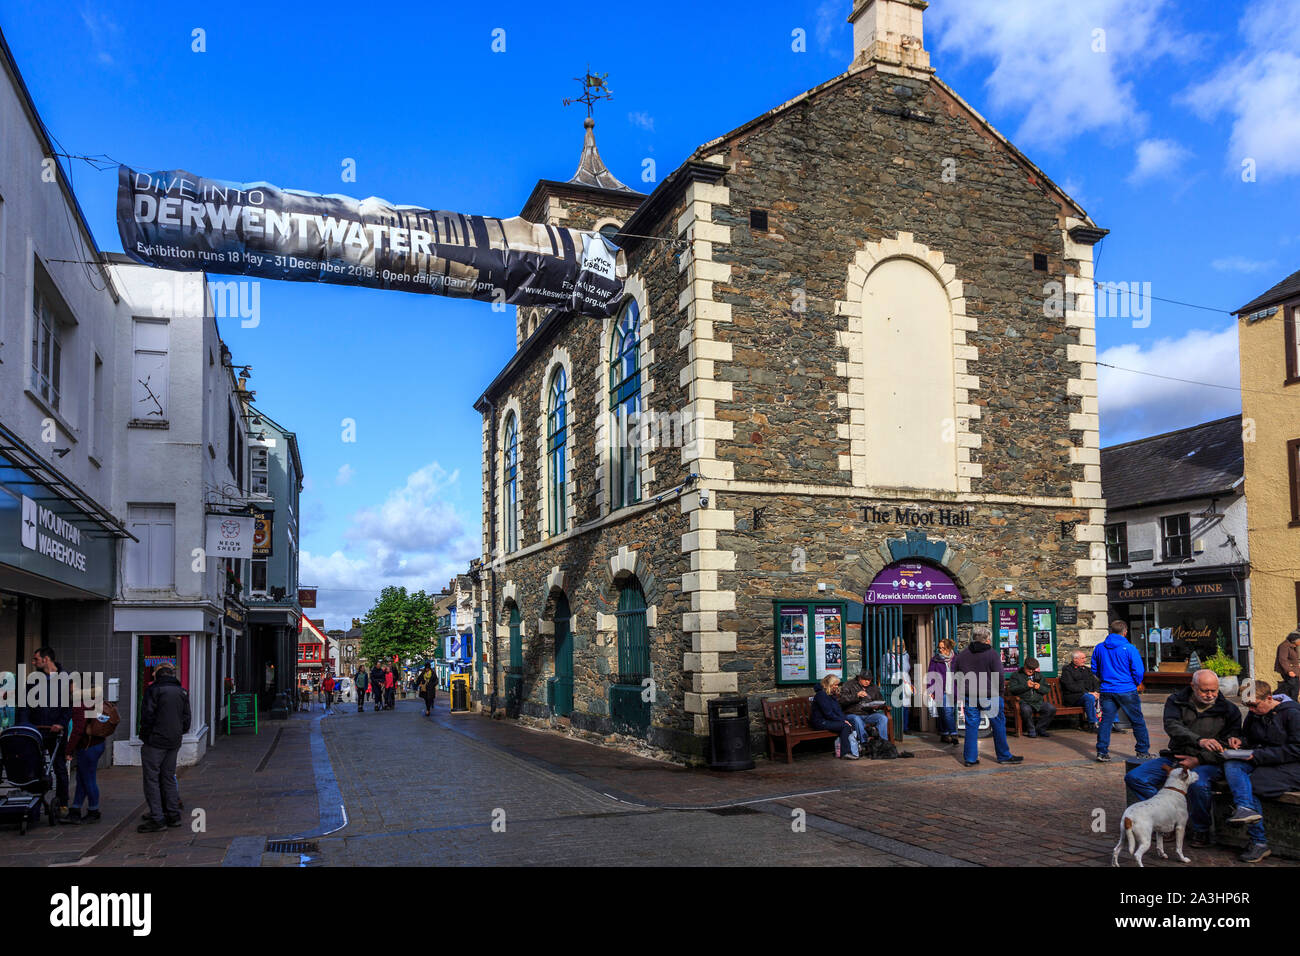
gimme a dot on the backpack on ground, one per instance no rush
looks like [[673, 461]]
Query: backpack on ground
[[104, 725]]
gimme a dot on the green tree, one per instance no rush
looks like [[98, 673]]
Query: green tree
[[402, 624]]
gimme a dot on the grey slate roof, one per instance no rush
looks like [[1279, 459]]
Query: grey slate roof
[[591, 168], [1288, 288], [1198, 462]]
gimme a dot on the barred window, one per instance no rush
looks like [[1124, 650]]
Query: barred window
[[625, 406]]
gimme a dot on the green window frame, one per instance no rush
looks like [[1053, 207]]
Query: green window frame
[[625, 407], [557, 432], [511, 490], [795, 640], [516, 643]]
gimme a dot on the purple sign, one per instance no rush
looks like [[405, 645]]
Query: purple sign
[[911, 582]]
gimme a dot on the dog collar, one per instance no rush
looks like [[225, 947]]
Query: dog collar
[[1176, 790]]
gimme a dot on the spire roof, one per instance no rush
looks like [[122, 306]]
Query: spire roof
[[591, 168]]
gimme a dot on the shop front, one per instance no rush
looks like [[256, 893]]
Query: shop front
[[1174, 626]]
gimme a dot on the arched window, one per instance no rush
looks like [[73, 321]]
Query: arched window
[[625, 407], [557, 431], [610, 230], [511, 492]]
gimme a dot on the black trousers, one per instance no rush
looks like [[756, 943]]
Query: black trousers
[[60, 770], [361, 699], [1036, 724], [1289, 686], [390, 697]]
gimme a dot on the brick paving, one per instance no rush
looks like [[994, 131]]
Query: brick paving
[[428, 791]]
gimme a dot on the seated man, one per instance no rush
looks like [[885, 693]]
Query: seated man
[[864, 705], [1080, 688], [1272, 734], [1036, 710], [1201, 724]]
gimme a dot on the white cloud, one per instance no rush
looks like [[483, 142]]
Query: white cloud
[[344, 475], [1260, 89], [642, 120], [1157, 158], [104, 32], [1136, 405], [414, 539], [832, 22], [1242, 264], [1045, 66]]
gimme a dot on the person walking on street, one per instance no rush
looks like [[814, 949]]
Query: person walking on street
[[90, 734], [361, 681], [428, 688], [979, 684], [327, 693], [390, 687], [53, 719], [164, 719], [1118, 666], [1287, 666], [377, 686]]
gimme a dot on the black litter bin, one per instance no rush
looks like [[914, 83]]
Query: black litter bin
[[460, 695], [729, 734]]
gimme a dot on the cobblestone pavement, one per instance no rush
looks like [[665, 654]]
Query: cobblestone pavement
[[397, 788]]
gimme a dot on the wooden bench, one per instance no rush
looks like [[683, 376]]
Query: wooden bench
[[789, 719], [1012, 705]]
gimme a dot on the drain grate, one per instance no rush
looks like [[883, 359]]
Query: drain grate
[[733, 811], [292, 846]]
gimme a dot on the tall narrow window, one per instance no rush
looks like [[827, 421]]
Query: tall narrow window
[[150, 559], [1293, 472], [556, 436], [1117, 543], [47, 350], [1292, 342], [633, 635], [98, 414], [1177, 534], [625, 406], [511, 491], [150, 375]]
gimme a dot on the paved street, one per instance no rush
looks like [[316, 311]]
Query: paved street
[[397, 788]]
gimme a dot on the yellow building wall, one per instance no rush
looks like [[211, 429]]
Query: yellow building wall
[[1270, 418]]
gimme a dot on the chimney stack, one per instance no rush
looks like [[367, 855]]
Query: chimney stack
[[888, 33]]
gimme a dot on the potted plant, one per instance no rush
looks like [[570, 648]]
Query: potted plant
[[1227, 670]]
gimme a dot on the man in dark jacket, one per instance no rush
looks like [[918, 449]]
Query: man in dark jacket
[[164, 719], [377, 686], [1272, 734], [1287, 665], [1035, 709], [52, 696], [1080, 687], [979, 688], [863, 704], [362, 680], [1201, 724]]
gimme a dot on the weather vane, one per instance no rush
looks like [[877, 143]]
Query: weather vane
[[594, 87]]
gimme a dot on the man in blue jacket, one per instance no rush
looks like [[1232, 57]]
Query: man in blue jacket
[[1118, 666]]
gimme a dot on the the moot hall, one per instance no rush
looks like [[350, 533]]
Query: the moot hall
[[848, 405]]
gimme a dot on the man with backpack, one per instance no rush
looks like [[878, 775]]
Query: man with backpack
[[362, 681], [164, 720]]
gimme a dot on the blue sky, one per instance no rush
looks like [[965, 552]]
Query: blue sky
[[1147, 124]]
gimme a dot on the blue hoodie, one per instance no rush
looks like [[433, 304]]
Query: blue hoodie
[[1118, 665]]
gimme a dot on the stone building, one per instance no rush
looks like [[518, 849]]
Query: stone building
[[849, 401]]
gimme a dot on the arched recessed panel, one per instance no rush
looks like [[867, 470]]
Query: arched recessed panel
[[911, 407]]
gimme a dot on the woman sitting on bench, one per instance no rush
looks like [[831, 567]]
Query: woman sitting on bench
[[827, 715]]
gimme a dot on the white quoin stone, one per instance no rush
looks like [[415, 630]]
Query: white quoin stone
[[890, 32]]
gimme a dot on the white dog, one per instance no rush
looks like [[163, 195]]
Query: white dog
[[1164, 813]]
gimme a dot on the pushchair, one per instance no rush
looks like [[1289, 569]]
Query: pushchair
[[28, 774]]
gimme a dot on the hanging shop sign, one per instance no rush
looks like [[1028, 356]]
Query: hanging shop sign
[[911, 582], [306, 597], [810, 640], [176, 220], [229, 536], [262, 542]]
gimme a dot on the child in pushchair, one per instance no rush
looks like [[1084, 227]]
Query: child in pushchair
[[27, 759]]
